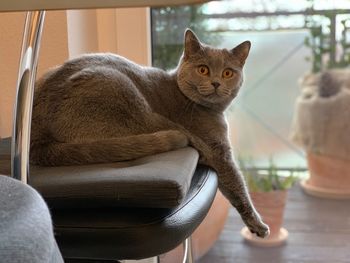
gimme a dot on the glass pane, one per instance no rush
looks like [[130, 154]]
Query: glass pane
[[260, 118]]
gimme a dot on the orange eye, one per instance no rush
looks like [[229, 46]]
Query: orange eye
[[227, 73], [203, 70]]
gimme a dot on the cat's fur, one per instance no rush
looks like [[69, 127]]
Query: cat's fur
[[104, 108]]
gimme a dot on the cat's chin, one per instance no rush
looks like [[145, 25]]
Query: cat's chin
[[212, 97], [205, 91], [212, 101]]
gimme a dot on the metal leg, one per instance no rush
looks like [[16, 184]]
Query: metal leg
[[188, 255], [146, 260], [25, 90]]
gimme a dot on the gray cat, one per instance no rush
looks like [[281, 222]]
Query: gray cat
[[104, 108]]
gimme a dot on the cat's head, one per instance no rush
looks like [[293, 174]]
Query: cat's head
[[208, 76]]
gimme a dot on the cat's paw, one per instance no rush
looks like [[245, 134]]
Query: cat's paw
[[173, 139], [258, 227], [178, 139]]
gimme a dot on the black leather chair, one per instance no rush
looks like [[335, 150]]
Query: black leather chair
[[129, 210]]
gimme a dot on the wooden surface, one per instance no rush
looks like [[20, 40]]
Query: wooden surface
[[319, 232], [25, 5]]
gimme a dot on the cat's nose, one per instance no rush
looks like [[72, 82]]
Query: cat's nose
[[215, 84]]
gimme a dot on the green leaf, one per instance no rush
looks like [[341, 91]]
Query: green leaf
[[252, 184], [266, 185], [288, 182], [257, 182]]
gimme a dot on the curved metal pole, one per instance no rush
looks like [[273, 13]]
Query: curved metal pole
[[24, 99], [188, 255]]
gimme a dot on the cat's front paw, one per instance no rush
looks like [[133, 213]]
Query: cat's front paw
[[172, 139], [178, 139], [258, 227]]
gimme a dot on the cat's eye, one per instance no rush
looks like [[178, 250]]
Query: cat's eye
[[203, 70], [227, 73]]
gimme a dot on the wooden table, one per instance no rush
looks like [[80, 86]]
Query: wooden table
[[32, 5]]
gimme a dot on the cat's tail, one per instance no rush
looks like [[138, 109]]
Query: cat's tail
[[107, 150]]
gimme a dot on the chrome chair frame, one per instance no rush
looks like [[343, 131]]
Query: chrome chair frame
[[25, 90]]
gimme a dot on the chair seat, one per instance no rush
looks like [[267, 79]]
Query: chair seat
[[160, 180], [166, 197], [133, 233]]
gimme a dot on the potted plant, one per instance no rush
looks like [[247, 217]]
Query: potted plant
[[268, 191], [322, 113]]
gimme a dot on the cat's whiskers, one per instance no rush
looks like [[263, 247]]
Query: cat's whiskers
[[205, 90], [189, 83], [223, 92]]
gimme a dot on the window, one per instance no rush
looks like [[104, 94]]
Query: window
[[261, 117]]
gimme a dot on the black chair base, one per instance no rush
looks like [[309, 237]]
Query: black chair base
[[134, 233], [93, 225]]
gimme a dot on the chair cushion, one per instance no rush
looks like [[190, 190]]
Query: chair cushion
[[160, 180], [130, 232]]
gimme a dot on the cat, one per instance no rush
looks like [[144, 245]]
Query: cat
[[101, 108]]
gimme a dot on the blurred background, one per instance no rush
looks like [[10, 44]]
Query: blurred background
[[284, 36]]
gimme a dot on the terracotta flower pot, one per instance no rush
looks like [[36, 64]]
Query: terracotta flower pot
[[329, 177], [271, 206], [206, 234]]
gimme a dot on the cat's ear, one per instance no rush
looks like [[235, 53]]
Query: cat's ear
[[241, 51], [192, 43]]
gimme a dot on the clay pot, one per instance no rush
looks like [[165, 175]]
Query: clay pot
[[271, 206], [206, 234], [328, 172]]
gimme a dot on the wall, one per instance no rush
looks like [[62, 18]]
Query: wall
[[123, 31], [54, 51]]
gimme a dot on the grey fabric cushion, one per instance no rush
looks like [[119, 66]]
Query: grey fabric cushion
[[160, 180], [26, 233]]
